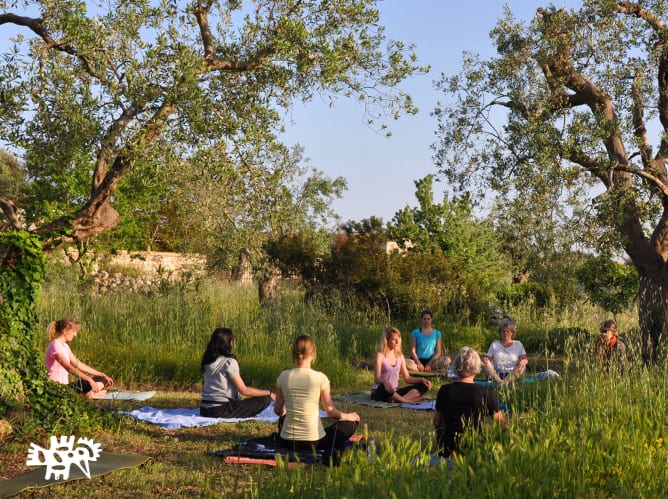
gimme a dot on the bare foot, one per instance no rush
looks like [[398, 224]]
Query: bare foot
[[411, 397]]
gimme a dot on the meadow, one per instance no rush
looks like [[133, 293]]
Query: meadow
[[588, 435]]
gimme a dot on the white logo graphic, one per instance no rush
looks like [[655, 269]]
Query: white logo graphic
[[62, 454]]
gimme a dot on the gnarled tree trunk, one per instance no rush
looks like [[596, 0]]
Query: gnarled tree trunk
[[268, 286], [653, 317]]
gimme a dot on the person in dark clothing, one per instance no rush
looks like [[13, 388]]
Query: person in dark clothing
[[463, 404]]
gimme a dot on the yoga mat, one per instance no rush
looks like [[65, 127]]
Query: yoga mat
[[363, 398], [123, 395], [106, 463], [540, 376], [427, 405], [427, 374], [263, 450], [173, 419]]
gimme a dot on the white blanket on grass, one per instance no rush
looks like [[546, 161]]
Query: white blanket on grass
[[173, 419]]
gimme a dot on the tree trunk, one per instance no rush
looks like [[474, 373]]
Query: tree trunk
[[243, 270], [653, 317], [268, 286]]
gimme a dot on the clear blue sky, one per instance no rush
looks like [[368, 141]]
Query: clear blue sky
[[381, 171]]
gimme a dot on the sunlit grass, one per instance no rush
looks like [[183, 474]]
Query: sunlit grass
[[589, 435]]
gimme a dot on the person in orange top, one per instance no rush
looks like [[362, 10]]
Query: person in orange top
[[610, 350]]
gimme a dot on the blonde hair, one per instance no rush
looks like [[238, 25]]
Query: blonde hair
[[57, 328], [467, 362], [383, 347], [303, 347]]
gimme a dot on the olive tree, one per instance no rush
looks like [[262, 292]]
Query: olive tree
[[576, 103], [163, 89]]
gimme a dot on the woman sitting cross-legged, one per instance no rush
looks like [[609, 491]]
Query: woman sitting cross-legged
[[223, 385], [426, 345], [299, 394], [61, 362], [463, 403], [388, 364], [506, 358]]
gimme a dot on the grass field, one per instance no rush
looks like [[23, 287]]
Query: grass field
[[588, 435]]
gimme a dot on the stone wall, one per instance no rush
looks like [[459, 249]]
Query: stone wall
[[144, 270]]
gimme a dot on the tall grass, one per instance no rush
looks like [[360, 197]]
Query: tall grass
[[588, 435], [160, 336], [592, 434]]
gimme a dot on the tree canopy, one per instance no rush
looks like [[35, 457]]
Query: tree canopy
[[575, 105], [160, 92], [172, 108]]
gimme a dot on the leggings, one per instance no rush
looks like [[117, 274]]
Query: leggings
[[84, 387], [332, 444], [382, 395], [246, 408]]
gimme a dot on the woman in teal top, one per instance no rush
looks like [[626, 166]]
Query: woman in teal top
[[426, 347]]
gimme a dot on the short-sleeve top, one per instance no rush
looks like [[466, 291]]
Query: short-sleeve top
[[389, 372], [55, 369], [505, 359], [218, 385], [301, 388], [461, 404], [425, 344]]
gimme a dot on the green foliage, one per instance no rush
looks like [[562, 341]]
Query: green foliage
[[23, 383], [464, 248], [529, 292], [11, 175], [163, 114], [611, 285], [297, 254], [537, 240], [565, 124], [558, 444], [20, 276], [401, 283]]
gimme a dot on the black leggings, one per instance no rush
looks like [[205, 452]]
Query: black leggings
[[332, 444], [246, 408], [84, 387], [382, 395]]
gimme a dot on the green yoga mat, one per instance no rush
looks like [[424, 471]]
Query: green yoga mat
[[106, 463]]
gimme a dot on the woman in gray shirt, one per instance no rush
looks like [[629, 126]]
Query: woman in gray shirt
[[223, 385]]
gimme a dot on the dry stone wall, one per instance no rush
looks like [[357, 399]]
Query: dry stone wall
[[144, 270]]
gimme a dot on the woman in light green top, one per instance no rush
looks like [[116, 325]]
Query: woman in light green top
[[299, 394]]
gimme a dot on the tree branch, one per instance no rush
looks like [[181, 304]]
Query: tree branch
[[36, 25], [11, 213], [637, 114], [637, 10], [107, 146]]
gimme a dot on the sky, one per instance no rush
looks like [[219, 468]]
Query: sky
[[381, 171]]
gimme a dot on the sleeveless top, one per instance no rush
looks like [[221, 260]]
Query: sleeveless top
[[389, 372]]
